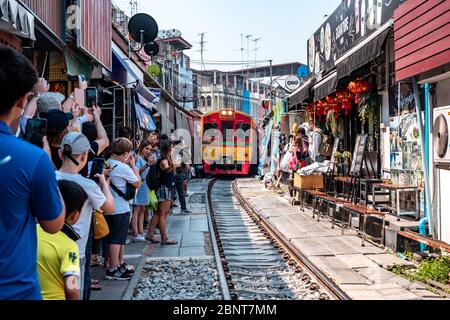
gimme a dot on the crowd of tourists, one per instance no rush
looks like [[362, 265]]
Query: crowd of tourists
[[70, 196]]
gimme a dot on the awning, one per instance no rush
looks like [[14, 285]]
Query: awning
[[363, 56], [301, 94], [16, 19], [144, 116], [77, 63], [146, 94], [326, 86], [134, 73]]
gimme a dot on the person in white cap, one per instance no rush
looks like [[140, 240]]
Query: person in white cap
[[75, 148]]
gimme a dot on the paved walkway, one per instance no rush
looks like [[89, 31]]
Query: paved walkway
[[359, 271], [191, 232]]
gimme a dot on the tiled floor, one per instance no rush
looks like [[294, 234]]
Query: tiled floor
[[360, 271]]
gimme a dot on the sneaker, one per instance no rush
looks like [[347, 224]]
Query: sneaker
[[186, 212], [119, 274], [139, 239], [128, 268]]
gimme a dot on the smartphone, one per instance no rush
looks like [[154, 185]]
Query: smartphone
[[36, 130], [98, 165], [91, 97]]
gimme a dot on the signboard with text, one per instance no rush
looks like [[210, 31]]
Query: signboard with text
[[351, 22]]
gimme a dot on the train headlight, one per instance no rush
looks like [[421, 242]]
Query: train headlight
[[230, 113], [224, 113]]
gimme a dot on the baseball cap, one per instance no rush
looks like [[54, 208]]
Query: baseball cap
[[58, 121], [77, 142], [50, 101]]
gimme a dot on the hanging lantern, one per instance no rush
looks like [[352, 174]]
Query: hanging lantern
[[359, 86], [334, 104], [346, 98]]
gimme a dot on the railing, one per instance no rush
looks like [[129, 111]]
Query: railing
[[120, 20]]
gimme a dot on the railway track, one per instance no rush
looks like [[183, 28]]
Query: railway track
[[255, 262]]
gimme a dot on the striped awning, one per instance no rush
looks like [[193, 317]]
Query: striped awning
[[16, 19]]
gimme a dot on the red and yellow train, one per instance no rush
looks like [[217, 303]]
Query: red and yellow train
[[229, 143]]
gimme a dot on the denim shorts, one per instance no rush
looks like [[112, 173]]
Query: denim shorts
[[165, 194], [118, 228]]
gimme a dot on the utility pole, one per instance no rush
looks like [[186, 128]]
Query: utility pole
[[202, 48], [256, 52], [134, 7], [248, 51], [242, 53], [271, 80]]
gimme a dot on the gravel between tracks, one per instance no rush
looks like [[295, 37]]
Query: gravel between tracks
[[191, 279]]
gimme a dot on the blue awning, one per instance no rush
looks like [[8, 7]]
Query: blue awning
[[125, 65], [144, 116]]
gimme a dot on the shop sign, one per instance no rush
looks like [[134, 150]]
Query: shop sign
[[350, 23], [293, 83]]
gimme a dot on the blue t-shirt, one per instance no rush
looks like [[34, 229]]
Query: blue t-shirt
[[28, 191]]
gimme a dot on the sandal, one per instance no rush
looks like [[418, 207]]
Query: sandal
[[95, 263], [168, 242], [95, 285], [152, 239]]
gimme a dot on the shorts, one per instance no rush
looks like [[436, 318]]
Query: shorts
[[118, 228], [164, 194]]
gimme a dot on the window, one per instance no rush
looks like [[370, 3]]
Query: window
[[208, 101]]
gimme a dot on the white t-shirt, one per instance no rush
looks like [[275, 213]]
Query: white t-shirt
[[96, 200], [120, 176]]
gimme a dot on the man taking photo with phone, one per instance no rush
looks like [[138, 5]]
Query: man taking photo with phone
[[29, 190]]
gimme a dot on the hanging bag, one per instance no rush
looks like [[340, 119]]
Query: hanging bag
[[100, 225], [285, 163], [153, 200]]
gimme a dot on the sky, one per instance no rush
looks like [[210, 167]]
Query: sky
[[284, 26]]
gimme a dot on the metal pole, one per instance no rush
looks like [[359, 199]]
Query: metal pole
[[428, 203], [271, 82]]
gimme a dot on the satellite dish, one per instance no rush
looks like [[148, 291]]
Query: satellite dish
[[151, 49], [143, 28], [154, 70]]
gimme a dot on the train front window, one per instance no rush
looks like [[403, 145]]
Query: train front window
[[243, 133], [227, 130], [210, 132]]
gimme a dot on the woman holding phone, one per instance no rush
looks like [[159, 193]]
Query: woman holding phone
[[165, 194], [141, 202]]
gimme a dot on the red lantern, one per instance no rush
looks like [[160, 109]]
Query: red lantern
[[359, 86], [333, 102], [345, 97]]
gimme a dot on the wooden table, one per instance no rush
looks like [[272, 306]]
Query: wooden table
[[364, 213], [397, 189]]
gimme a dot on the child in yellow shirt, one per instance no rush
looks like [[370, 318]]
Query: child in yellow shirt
[[58, 261]]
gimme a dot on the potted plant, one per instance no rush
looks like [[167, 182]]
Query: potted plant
[[347, 157], [369, 111], [337, 157]]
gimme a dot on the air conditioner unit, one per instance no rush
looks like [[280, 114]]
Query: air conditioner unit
[[441, 141]]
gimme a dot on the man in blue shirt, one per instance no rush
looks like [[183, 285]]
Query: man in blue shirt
[[28, 188]]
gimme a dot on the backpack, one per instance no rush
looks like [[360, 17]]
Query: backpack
[[154, 177]]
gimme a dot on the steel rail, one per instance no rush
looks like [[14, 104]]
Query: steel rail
[[215, 247], [290, 251]]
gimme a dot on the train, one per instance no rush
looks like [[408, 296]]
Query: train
[[229, 143]]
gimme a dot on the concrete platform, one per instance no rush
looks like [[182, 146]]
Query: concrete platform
[[359, 271], [191, 232]]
